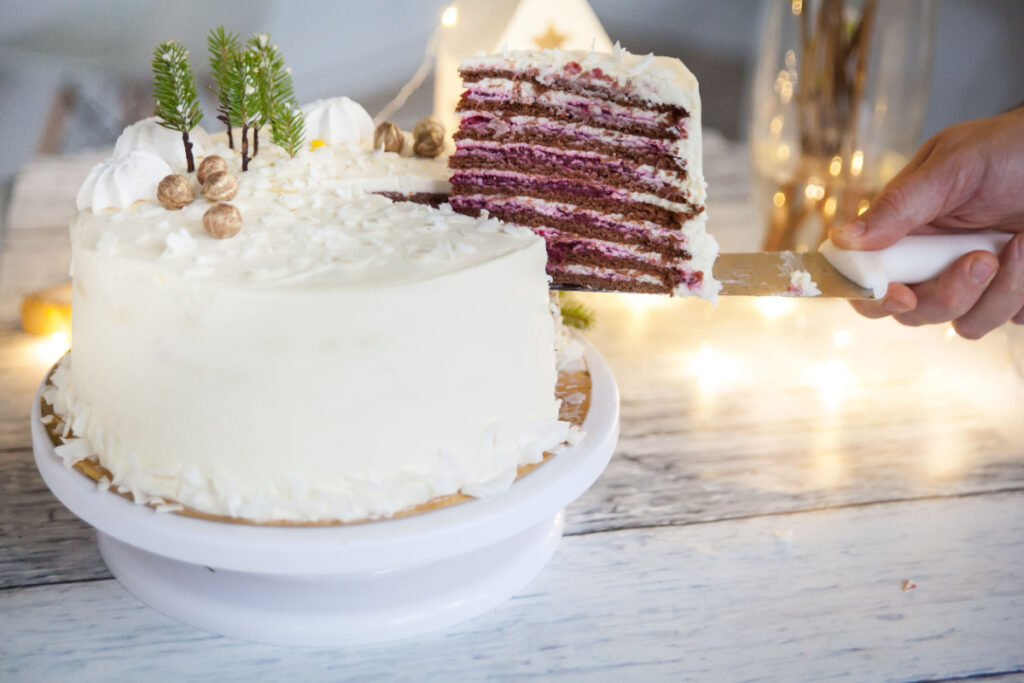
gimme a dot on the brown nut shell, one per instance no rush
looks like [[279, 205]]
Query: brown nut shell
[[210, 165], [428, 125], [175, 192], [220, 187], [222, 220], [428, 146], [428, 137], [388, 137]]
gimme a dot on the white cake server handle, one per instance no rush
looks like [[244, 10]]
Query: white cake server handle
[[913, 259]]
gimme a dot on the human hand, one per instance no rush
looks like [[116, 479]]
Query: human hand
[[968, 177]]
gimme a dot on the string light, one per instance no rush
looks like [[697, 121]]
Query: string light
[[857, 162], [836, 165], [49, 349]]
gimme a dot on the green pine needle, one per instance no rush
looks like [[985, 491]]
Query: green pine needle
[[221, 45], [288, 128], [274, 81], [174, 88], [575, 314], [241, 80]]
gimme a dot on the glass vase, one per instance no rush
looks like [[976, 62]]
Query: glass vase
[[839, 96]]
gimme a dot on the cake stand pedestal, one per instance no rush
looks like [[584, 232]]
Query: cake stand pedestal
[[342, 585]]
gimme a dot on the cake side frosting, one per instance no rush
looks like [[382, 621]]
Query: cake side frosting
[[342, 357], [598, 153]]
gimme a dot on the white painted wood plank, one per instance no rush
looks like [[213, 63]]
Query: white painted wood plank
[[804, 596]]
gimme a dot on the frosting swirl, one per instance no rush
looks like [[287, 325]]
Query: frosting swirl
[[149, 136], [338, 120], [121, 181]]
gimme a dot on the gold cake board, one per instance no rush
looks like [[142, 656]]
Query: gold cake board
[[569, 384]]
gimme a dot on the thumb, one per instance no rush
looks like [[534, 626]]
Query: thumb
[[910, 200]]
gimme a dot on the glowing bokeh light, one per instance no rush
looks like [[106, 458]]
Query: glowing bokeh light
[[772, 307]]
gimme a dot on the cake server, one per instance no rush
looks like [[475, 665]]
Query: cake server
[[839, 273]]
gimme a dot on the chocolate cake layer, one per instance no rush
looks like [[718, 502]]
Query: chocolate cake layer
[[574, 265], [591, 167], [652, 130], [620, 284], [577, 223], [569, 249], [576, 87], [571, 191], [434, 199], [651, 156]]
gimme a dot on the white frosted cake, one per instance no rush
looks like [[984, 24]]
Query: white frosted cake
[[342, 357]]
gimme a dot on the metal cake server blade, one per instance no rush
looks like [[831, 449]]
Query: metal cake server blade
[[768, 274], [916, 258]]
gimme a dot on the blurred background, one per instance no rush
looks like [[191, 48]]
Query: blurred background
[[74, 73]]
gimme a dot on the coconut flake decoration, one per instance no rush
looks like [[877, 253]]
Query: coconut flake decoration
[[338, 120], [149, 136], [120, 182]]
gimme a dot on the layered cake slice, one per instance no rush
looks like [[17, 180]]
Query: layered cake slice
[[600, 154]]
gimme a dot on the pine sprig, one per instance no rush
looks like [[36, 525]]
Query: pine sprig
[[221, 45], [575, 314], [288, 128], [174, 92], [242, 95], [274, 82]]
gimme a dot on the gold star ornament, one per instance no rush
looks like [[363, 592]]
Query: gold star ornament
[[550, 39]]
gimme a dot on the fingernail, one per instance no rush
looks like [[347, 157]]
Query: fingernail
[[894, 306], [853, 230], [982, 269]]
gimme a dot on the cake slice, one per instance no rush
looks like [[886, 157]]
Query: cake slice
[[599, 154]]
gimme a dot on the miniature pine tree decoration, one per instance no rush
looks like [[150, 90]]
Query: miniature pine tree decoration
[[174, 90], [222, 45], [288, 128], [574, 313], [274, 83], [242, 91]]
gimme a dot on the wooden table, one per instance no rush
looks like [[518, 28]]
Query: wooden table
[[798, 493]]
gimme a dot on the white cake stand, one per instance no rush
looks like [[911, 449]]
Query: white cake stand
[[342, 585]]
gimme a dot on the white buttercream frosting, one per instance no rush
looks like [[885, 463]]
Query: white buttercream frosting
[[338, 120], [342, 357], [665, 78], [149, 136], [121, 181]]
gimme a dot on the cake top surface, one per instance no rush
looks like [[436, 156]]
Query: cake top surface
[[663, 79], [309, 221]]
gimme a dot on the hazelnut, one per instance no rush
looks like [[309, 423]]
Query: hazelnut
[[210, 165], [174, 192], [388, 137], [220, 187], [428, 136], [222, 220]]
